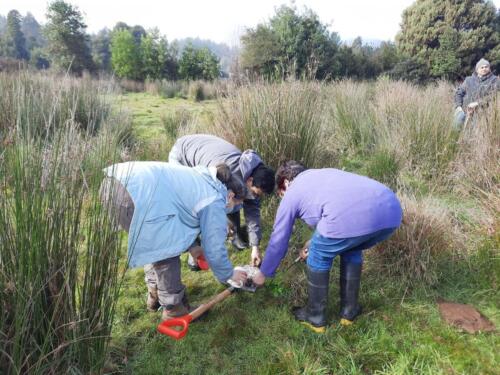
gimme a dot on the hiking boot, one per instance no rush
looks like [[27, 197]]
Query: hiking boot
[[175, 311], [313, 314], [350, 280], [152, 302]]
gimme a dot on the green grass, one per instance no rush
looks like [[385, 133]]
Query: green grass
[[400, 331], [147, 111], [151, 136]]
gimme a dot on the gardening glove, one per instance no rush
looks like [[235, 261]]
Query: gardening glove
[[255, 256], [238, 279]]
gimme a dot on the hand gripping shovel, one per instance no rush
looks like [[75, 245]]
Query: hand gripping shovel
[[178, 327]]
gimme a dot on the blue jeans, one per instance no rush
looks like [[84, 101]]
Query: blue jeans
[[322, 250]]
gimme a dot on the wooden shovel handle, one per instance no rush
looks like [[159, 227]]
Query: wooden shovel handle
[[200, 310], [178, 327]]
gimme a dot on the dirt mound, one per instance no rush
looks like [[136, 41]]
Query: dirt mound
[[465, 317]]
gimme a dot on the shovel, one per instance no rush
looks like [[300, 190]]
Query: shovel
[[178, 327]]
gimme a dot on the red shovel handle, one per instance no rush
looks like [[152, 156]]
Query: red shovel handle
[[168, 327], [175, 327]]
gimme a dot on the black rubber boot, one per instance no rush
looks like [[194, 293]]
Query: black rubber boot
[[238, 236], [313, 315], [350, 279]]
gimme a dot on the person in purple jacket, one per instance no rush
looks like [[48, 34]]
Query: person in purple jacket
[[350, 213]]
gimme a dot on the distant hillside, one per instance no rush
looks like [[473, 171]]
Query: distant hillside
[[375, 43], [225, 53]]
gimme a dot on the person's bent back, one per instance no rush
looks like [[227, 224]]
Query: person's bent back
[[247, 167]]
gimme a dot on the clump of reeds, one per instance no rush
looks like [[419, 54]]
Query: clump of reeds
[[280, 121], [59, 272], [426, 235], [196, 91]]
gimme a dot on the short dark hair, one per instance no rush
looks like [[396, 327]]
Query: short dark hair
[[288, 170], [263, 178]]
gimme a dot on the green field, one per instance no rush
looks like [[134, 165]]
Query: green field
[[400, 331]]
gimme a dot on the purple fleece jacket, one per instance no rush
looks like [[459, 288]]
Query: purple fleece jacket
[[337, 203]]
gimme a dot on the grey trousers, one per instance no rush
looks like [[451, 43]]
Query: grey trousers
[[165, 275]]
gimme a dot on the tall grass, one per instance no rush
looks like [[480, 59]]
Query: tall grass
[[350, 117], [36, 104], [164, 88], [196, 91], [59, 274], [392, 131], [280, 121], [477, 164], [415, 124], [409, 126]]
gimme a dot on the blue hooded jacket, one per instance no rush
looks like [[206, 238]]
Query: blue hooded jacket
[[173, 204]]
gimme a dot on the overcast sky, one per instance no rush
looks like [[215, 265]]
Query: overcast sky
[[225, 20]]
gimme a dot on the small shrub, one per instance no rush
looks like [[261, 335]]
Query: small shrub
[[196, 91], [175, 122], [132, 86]]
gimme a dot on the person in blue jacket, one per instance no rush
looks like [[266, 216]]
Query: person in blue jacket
[[164, 207]]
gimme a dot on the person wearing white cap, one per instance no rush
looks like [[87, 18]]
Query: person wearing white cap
[[474, 91]]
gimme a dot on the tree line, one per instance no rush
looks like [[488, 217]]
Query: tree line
[[126, 51], [438, 39]]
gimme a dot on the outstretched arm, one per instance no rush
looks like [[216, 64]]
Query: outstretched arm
[[282, 230], [213, 227]]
